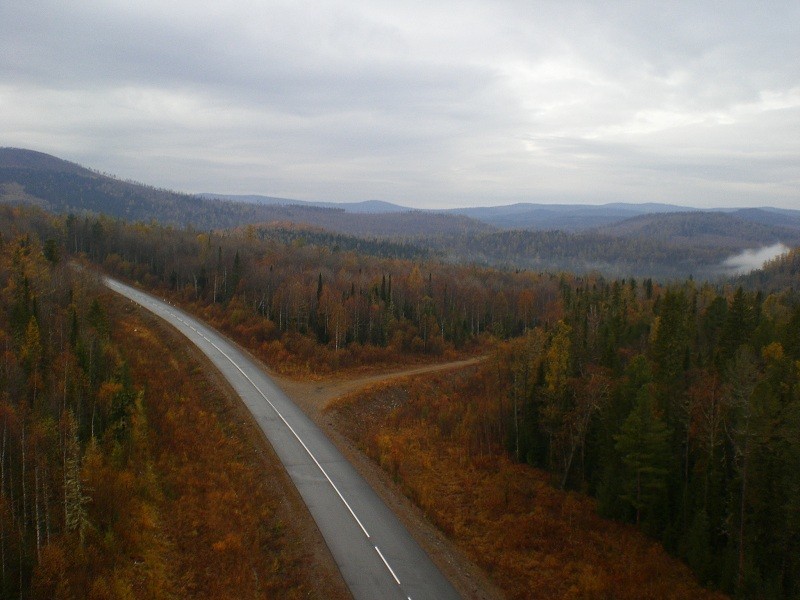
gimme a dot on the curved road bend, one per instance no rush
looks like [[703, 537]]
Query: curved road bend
[[378, 558]]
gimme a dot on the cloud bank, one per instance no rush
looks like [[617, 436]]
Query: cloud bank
[[429, 104]]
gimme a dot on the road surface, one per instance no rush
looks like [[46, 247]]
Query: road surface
[[378, 558]]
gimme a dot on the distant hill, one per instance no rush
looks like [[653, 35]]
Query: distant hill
[[367, 206], [668, 245], [62, 187], [705, 229], [536, 217], [561, 217], [575, 218], [583, 252], [15, 158], [303, 235], [410, 224], [775, 217]]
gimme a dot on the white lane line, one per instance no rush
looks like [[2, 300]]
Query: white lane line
[[378, 550], [302, 443]]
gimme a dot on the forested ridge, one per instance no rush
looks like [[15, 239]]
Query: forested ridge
[[671, 245], [676, 406], [707, 229], [781, 273], [289, 233], [82, 192]]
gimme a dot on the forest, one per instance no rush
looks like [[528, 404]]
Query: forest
[[676, 408], [117, 455], [303, 306], [675, 405], [669, 246]]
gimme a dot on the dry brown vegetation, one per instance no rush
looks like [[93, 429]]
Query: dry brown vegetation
[[238, 531], [126, 470], [534, 540]]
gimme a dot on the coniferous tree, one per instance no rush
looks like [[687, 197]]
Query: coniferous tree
[[642, 444]]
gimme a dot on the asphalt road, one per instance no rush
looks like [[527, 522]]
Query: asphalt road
[[374, 551]]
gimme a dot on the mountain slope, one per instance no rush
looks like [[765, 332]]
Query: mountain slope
[[562, 217], [16, 158], [704, 229], [367, 206], [776, 217], [62, 187], [409, 224]]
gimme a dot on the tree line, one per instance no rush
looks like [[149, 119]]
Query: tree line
[[310, 304]]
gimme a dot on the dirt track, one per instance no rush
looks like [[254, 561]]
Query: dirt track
[[315, 396]]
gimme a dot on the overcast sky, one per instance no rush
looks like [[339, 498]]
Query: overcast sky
[[434, 103]]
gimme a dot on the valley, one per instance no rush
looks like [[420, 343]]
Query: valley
[[543, 430], [617, 240]]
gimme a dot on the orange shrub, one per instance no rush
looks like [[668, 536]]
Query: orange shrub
[[534, 540]]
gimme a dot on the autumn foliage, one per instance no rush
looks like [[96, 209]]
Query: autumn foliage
[[534, 540], [123, 473], [312, 310], [677, 407], [218, 503]]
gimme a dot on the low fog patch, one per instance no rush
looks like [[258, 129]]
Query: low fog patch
[[750, 260]]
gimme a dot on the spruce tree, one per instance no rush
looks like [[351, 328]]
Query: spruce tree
[[643, 446]]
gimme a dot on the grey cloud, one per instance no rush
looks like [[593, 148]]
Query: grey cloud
[[442, 102]]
